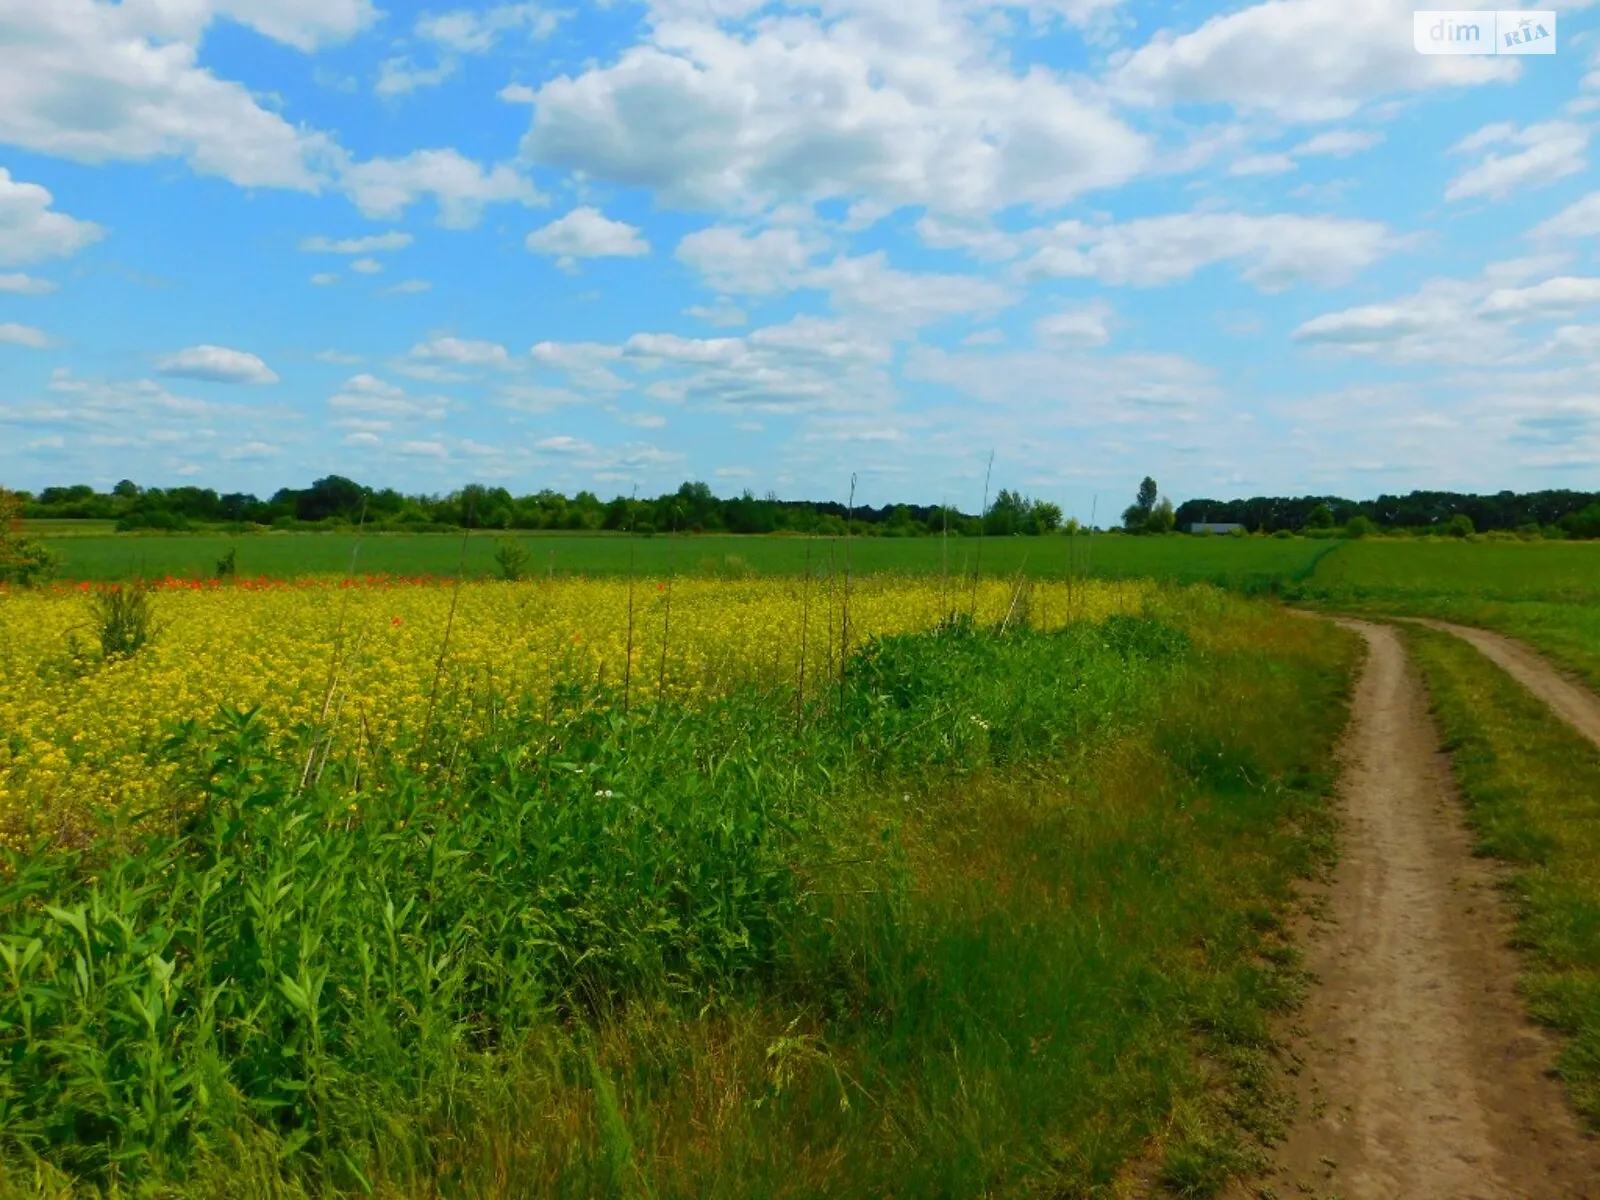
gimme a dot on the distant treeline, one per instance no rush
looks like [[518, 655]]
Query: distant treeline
[[1577, 514], [693, 508], [336, 501]]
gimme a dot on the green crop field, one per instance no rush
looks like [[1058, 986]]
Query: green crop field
[[1547, 593], [1245, 563]]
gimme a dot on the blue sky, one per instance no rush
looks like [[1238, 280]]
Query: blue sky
[[1262, 249]]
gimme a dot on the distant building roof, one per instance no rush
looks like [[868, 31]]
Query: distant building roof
[[1208, 527]]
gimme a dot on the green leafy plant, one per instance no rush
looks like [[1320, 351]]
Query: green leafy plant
[[123, 617], [23, 560], [513, 559], [228, 564]]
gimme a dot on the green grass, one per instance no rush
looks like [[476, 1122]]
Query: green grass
[[1546, 593], [1533, 791], [1003, 920], [1250, 564]]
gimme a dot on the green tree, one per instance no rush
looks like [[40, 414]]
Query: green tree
[[23, 560], [1162, 519], [1460, 526], [1320, 517], [1136, 517], [1148, 491]]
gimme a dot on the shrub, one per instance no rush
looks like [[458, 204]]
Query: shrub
[[1460, 526], [513, 559], [124, 619], [228, 564], [1359, 527], [23, 560]]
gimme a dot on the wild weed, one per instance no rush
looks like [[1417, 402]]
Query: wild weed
[[123, 617]]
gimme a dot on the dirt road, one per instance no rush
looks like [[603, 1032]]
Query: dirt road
[[1572, 702], [1421, 1078]]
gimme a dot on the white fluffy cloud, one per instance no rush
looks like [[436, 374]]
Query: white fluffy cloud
[[1580, 219], [386, 187], [96, 82], [303, 24], [736, 260], [1305, 60], [372, 244], [25, 285], [1457, 321], [1561, 296], [472, 31], [463, 352], [1275, 251], [1083, 325], [1540, 155], [31, 230], [216, 364], [27, 336], [588, 233], [368, 394], [900, 107]]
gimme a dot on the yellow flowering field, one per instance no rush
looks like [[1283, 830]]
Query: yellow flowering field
[[364, 658]]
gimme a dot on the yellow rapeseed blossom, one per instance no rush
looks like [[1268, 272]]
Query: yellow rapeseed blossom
[[364, 660]]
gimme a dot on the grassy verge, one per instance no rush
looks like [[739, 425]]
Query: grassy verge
[[1001, 919], [1533, 790]]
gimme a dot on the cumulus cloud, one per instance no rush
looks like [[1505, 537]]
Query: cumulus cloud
[[25, 285], [1303, 60], [1456, 321], [400, 76], [470, 31], [1340, 143], [24, 335], [588, 233], [30, 229], [304, 24], [216, 364], [900, 108], [1540, 155], [368, 394], [1580, 219], [464, 352], [1561, 296], [372, 244], [366, 266], [1276, 251], [385, 187], [98, 82], [737, 260], [1084, 325]]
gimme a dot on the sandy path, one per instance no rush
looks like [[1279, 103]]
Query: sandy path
[[1420, 1077], [1572, 701]]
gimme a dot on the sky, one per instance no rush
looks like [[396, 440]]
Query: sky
[[613, 245]]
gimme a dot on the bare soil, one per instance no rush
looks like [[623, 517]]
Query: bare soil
[[1572, 701], [1417, 1073]]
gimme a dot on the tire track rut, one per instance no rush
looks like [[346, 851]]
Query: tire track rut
[[1420, 1077]]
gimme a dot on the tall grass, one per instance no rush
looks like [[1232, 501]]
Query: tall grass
[[965, 935]]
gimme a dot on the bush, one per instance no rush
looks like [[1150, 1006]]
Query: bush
[[513, 559], [124, 619], [1460, 526], [23, 560], [228, 564], [1359, 527]]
